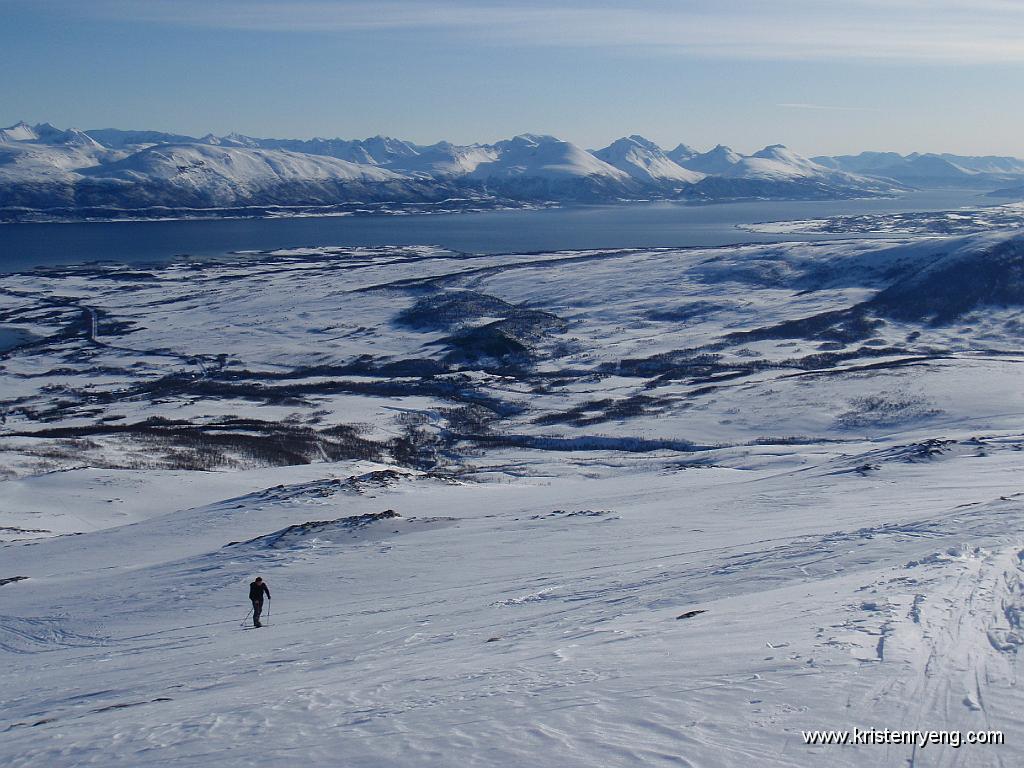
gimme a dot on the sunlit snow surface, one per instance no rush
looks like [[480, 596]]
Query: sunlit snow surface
[[955, 222], [817, 445]]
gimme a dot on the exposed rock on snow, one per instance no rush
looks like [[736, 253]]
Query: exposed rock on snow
[[320, 530]]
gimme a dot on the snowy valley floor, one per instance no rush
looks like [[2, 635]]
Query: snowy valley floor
[[605, 508]]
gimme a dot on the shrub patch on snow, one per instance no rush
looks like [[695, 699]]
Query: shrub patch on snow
[[885, 410]]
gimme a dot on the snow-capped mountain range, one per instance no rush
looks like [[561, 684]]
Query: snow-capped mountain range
[[43, 167], [922, 169]]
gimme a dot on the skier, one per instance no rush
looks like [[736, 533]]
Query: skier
[[257, 590]]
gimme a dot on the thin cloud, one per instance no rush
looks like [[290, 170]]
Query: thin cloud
[[930, 31], [826, 107]]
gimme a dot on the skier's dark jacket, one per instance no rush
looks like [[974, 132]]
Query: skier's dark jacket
[[256, 591]]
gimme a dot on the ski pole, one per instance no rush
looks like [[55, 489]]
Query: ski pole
[[246, 618]]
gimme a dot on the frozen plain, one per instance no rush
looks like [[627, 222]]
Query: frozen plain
[[817, 445]]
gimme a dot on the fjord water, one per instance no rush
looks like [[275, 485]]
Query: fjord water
[[12, 337], [24, 246]]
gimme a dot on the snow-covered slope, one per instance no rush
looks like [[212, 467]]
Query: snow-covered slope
[[645, 161], [39, 164], [543, 166], [378, 150], [779, 163], [116, 138], [385, 150], [230, 140], [445, 159], [442, 159], [72, 137], [917, 168], [198, 164], [29, 161], [198, 174], [777, 171], [678, 512], [18, 132], [927, 167], [991, 164], [682, 153], [776, 163], [544, 157], [47, 134], [865, 162], [714, 162]]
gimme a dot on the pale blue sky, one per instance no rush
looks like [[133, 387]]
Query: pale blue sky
[[819, 75]]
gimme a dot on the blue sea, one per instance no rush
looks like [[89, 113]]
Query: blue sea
[[628, 225]]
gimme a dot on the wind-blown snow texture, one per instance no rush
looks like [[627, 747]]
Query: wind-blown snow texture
[[46, 172], [602, 508]]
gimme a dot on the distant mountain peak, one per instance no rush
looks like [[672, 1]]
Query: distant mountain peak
[[46, 133], [241, 139], [782, 153], [682, 152], [536, 138], [713, 162], [20, 131], [389, 146], [643, 142], [645, 161], [777, 162]]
